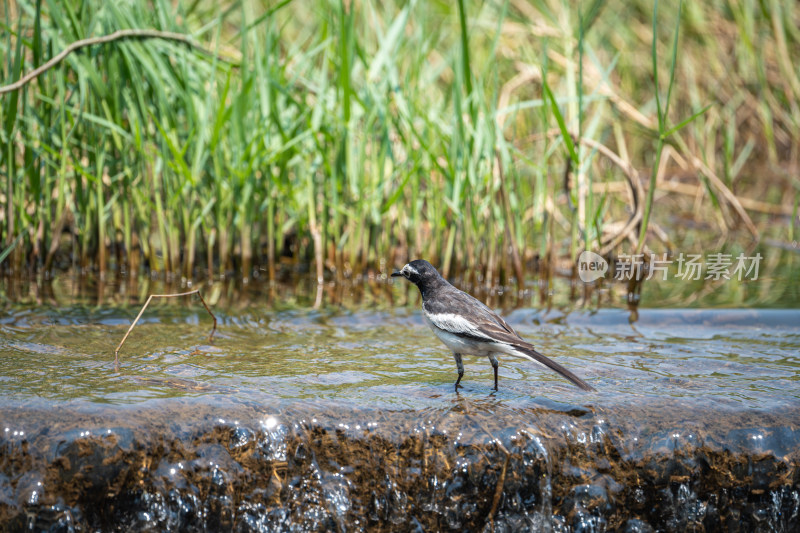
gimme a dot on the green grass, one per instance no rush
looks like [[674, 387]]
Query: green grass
[[353, 136]]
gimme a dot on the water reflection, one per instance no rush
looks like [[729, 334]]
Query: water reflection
[[777, 286]]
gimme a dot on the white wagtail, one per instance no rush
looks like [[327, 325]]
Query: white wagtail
[[467, 326]]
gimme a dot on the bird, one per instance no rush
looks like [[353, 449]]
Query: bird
[[468, 327]]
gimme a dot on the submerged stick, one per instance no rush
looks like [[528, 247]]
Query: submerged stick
[[501, 481], [141, 312], [498, 490]]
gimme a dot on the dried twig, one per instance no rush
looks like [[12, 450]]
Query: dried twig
[[196, 291], [116, 36]]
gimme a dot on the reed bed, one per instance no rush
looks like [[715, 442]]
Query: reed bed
[[235, 138]]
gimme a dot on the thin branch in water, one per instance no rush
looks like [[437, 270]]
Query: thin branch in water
[[141, 312]]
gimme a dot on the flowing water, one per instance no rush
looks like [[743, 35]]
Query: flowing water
[[344, 418]]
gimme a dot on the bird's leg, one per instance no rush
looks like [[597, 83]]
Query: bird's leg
[[460, 365], [495, 364]]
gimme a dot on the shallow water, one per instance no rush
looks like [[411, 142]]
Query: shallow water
[[345, 418], [389, 359]]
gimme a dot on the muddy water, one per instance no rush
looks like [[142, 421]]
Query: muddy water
[[345, 419]]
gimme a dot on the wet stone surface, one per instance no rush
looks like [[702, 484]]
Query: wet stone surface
[[473, 465]]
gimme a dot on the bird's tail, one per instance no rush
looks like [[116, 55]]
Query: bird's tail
[[526, 351]]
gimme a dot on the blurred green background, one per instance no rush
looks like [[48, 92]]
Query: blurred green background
[[492, 138]]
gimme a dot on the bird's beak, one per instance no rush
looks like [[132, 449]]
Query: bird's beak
[[396, 274]]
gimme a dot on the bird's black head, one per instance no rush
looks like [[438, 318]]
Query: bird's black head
[[421, 273]]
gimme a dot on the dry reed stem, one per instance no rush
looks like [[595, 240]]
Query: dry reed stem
[[637, 192], [634, 186], [534, 23], [527, 74], [721, 188], [594, 79], [611, 187], [517, 262], [531, 73], [141, 312], [748, 203]]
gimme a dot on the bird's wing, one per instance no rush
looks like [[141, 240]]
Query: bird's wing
[[459, 313]]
